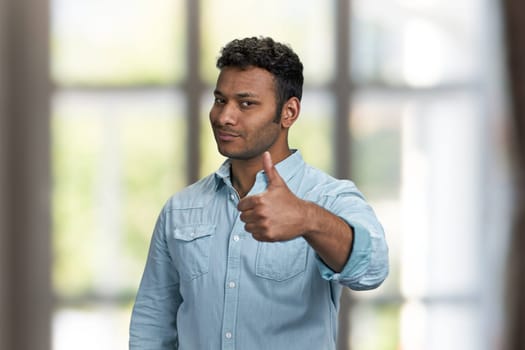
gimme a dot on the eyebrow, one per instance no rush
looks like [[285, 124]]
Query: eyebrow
[[238, 95], [246, 94]]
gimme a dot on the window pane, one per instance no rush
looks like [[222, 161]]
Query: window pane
[[426, 151], [417, 43], [100, 327], [441, 325], [440, 207], [417, 159], [116, 159], [92, 45], [375, 128], [310, 31], [375, 327]]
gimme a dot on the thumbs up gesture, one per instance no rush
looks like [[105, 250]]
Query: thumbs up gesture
[[275, 214]]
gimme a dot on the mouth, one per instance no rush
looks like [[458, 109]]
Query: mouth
[[225, 135]]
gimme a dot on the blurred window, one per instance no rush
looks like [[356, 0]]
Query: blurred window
[[121, 127], [418, 125]]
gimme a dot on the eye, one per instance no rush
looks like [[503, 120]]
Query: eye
[[246, 104], [219, 100]]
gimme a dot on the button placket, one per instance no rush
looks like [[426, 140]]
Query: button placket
[[231, 293]]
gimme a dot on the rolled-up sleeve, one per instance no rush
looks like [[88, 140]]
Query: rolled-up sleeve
[[153, 320], [367, 266]]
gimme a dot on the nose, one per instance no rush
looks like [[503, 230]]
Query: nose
[[223, 114]]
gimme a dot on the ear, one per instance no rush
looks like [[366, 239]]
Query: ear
[[290, 112]]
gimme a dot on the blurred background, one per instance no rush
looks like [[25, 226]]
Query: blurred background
[[106, 104]]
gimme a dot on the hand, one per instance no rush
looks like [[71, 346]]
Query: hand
[[275, 214]]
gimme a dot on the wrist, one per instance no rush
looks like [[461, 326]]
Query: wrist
[[310, 225]]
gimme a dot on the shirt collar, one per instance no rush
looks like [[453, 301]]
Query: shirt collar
[[287, 168]]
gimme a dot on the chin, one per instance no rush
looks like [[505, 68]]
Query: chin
[[226, 153], [239, 155]]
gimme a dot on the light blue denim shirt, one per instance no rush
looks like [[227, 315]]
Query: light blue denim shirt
[[209, 285]]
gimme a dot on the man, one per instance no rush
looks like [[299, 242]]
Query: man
[[255, 255]]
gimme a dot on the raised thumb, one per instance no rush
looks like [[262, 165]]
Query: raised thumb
[[269, 169]]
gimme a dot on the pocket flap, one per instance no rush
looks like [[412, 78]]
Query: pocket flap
[[189, 233]]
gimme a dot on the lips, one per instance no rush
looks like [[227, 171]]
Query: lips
[[226, 135]]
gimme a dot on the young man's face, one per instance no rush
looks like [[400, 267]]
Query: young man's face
[[243, 113]]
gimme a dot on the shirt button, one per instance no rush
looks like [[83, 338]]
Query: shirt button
[[231, 284], [228, 335], [236, 238], [232, 197]]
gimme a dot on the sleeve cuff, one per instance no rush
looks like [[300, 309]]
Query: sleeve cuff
[[358, 261]]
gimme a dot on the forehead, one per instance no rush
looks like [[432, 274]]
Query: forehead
[[254, 80]]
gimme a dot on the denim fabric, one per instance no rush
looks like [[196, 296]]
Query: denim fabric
[[208, 284]]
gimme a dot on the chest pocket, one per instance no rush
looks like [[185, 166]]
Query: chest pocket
[[190, 249], [280, 261]]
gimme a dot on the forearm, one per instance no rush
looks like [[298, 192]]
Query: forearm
[[330, 236]]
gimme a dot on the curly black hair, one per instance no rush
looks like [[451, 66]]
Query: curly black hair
[[277, 58]]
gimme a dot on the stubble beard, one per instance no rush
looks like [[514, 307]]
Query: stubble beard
[[261, 141]]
